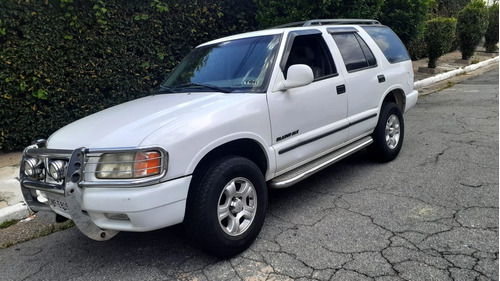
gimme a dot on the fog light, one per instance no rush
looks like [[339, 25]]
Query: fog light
[[122, 217], [33, 167], [57, 169]]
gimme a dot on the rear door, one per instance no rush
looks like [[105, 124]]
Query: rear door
[[365, 80]]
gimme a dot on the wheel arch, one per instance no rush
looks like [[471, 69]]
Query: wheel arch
[[247, 148], [396, 96]]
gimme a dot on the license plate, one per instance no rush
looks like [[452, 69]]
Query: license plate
[[58, 202]]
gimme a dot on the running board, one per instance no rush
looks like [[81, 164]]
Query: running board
[[294, 176]]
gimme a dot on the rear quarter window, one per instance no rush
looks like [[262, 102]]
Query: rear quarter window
[[388, 42]]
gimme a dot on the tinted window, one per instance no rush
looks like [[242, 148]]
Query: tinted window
[[312, 51], [354, 51], [388, 42], [370, 58]]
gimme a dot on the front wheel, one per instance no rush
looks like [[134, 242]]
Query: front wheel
[[227, 206], [388, 134]]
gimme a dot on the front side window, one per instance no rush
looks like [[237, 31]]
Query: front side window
[[354, 51], [242, 65], [311, 50], [388, 42]]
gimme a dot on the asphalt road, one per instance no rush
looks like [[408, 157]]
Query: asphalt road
[[432, 214]]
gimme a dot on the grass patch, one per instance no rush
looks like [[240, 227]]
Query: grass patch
[[22, 232], [475, 61], [57, 227], [449, 84], [8, 223]]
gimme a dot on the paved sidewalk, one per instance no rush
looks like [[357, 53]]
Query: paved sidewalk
[[12, 203], [451, 61], [12, 206], [10, 193]]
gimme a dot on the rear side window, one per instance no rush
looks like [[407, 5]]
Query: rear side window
[[354, 51], [388, 42]]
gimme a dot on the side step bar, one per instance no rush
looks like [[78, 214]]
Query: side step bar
[[294, 176]]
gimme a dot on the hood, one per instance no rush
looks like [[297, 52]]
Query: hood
[[128, 124]]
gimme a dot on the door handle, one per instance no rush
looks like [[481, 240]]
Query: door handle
[[341, 89], [381, 78]]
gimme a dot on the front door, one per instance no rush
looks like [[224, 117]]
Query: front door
[[308, 121]]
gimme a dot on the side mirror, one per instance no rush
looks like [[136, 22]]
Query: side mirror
[[298, 75]]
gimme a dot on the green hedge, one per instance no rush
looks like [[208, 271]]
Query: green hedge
[[417, 48], [406, 17], [62, 60], [439, 34], [448, 8], [471, 26], [491, 36], [276, 12]]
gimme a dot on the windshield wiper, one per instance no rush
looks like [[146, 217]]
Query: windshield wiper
[[164, 89], [208, 86]]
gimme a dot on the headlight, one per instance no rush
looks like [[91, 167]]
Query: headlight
[[129, 165]]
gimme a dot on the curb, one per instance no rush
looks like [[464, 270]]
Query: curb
[[15, 212], [443, 76], [21, 211]]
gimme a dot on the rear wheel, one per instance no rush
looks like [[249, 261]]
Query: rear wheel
[[227, 206], [388, 134]]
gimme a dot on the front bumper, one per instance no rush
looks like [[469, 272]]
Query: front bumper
[[101, 210]]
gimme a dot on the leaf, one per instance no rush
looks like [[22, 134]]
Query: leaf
[[68, 37], [41, 94], [7, 96], [23, 86]]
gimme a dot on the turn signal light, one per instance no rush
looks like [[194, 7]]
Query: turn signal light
[[147, 164]]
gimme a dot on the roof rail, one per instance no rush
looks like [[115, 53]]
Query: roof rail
[[328, 22]]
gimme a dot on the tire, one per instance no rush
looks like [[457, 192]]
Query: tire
[[388, 134], [226, 206]]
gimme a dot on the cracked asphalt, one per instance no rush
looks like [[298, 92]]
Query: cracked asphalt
[[432, 214]]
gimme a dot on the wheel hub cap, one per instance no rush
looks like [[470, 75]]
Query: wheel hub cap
[[392, 131], [237, 206]]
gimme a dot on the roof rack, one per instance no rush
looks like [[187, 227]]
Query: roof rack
[[328, 22]]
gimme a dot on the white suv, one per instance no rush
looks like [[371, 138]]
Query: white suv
[[239, 115]]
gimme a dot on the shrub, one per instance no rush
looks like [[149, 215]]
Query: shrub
[[448, 8], [61, 60], [491, 36], [406, 17], [417, 48], [471, 26], [276, 12], [439, 34]]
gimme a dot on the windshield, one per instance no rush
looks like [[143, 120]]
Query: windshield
[[242, 65]]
